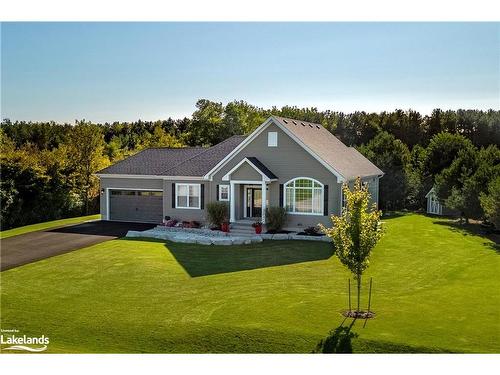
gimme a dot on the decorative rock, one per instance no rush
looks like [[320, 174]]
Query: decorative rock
[[256, 239], [204, 241], [222, 241], [204, 236], [180, 239], [266, 236], [134, 233], [280, 236], [238, 241]]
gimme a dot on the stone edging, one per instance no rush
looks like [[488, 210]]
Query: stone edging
[[210, 237]]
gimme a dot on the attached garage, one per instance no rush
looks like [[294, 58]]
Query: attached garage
[[145, 206]]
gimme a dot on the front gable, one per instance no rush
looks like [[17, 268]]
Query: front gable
[[260, 141], [245, 172], [287, 160]]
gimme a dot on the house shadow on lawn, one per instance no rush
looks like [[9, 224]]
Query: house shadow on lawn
[[473, 229], [200, 260]]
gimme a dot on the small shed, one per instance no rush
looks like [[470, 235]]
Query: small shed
[[434, 206]]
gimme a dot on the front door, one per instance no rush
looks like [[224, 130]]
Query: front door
[[254, 202]]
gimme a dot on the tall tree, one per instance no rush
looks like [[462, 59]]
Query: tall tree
[[392, 156], [461, 184], [85, 151], [356, 232], [207, 129], [490, 201], [242, 118], [443, 149]]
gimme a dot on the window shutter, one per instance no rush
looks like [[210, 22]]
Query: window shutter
[[173, 195], [325, 200], [281, 195], [202, 198], [217, 193]]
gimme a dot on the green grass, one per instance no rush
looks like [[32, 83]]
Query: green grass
[[435, 290], [46, 225]]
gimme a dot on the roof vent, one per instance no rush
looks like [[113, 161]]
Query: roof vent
[[286, 122], [318, 126], [310, 125], [303, 124], [294, 123]]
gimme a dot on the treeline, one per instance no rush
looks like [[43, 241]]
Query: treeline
[[48, 168]]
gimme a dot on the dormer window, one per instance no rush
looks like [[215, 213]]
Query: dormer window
[[272, 139]]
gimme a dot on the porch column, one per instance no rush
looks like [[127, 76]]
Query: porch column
[[232, 203], [264, 197]]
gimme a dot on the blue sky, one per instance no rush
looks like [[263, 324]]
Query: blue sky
[[126, 71]]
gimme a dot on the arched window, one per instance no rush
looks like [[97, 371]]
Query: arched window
[[304, 196]]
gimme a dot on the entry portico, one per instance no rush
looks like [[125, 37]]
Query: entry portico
[[249, 171]]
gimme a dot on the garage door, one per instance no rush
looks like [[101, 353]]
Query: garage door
[[136, 205]]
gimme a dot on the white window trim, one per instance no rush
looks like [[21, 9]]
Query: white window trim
[[272, 139], [305, 213], [227, 176], [176, 196], [220, 196]]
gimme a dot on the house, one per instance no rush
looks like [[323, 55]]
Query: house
[[289, 163]]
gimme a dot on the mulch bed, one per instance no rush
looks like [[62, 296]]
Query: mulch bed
[[359, 314]]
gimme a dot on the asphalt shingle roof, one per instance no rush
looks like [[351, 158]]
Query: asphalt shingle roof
[[187, 161], [198, 161], [203, 162], [345, 160]]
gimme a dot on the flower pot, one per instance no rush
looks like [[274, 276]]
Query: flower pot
[[258, 230], [225, 227]]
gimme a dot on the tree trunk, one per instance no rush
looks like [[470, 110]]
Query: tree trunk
[[359, 290]]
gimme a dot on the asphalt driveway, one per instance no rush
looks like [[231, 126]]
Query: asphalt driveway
[[30, 247]]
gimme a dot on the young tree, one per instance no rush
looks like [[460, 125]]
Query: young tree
[[356, 232]]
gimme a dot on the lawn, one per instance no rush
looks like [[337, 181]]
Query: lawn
[[435, 290], [47, 225]]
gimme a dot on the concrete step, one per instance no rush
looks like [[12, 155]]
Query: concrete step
[[242, 232], [239, 225], [245, 221], [249, 230]]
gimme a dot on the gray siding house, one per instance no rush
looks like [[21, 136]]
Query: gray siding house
[[289, 163]]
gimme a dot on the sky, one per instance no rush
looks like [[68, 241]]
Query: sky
[[129, 71]]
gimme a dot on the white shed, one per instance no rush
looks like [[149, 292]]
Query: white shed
[[433, 205]]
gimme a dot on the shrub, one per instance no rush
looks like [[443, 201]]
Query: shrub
[[217, 213], [275, 218], [312, 231]]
